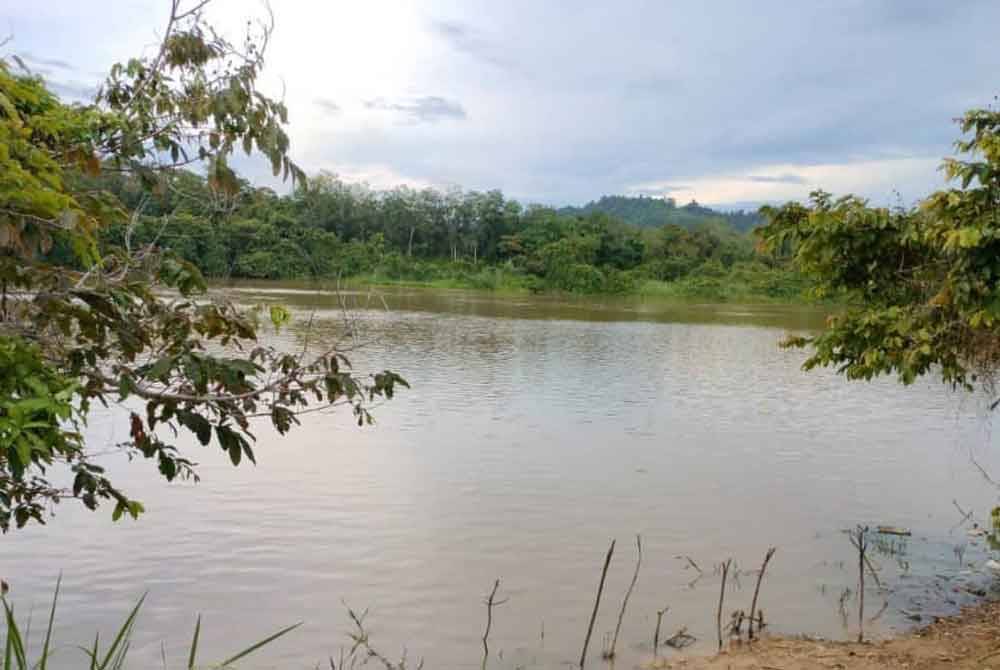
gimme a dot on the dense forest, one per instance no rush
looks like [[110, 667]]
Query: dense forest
[[649, 212], [327, 228]]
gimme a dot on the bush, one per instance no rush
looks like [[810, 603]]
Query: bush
[[618, 281], [578, 278], [669, 269]]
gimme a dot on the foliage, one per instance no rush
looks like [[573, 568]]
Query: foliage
[[327, 228], [91, 313], [747, 282], [922, 283], [17, 645], [649, 212]]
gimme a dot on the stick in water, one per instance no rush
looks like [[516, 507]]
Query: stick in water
[[862, 547], [722, 597], [756, 591], [656, 633], [597, 603], [628, 594], [491, 602]]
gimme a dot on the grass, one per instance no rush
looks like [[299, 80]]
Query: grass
[[513, 288], [17, 643], [741, 283]]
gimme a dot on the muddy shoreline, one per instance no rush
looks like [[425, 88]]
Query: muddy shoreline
[[970, 639]]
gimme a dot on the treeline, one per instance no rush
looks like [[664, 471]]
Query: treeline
[[328, 228], [648, 212]]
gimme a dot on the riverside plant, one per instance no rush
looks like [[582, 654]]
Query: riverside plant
[[95, 657]]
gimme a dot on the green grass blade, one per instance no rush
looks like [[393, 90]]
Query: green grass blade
[[194, 643], [119, 661], [27, 628], [14, 637], [252, 648], [6, 653], [43, 661], [122, 637]]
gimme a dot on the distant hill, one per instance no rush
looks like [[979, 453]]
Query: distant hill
[[649, 212]]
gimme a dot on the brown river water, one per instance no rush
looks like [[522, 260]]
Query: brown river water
[[537, 429]]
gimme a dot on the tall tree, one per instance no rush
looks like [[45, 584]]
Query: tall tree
[[922, 284], [95, 325]]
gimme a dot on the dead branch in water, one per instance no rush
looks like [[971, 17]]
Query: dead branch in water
[[862, 545], [756, 591], [966, 516], [868, 562], [628, 594], [361, 642], [597, 603], [656, 633], [722, 598], [878, 615], [690, 562], [842, 607], [490, 602], [736, 624]]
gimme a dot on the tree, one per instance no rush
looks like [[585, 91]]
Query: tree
[[94, 325], [922, 284]]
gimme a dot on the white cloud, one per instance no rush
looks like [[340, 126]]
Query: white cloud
[[875, 179], [377, 176], [562, 106]]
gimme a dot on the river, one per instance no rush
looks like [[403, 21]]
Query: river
[[537, 429]]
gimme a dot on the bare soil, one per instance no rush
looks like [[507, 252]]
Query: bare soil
[[970, 640]]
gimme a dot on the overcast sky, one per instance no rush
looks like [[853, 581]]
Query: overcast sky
[[730, 103]]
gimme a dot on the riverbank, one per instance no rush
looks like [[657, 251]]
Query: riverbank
[[967, 641], [745, 284]]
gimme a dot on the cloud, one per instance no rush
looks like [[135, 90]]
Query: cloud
[[879, 180], [560, 107], [777, 179], [46, 62], [328, 106], [467, 40], [74, 91], [658, 189], [426, 109], [380, 177]]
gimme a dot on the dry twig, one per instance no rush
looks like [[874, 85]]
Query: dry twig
[[597, 603], [628, 594], [756, 591], [722, 597]]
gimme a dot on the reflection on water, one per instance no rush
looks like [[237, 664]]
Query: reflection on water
[[537, 429]]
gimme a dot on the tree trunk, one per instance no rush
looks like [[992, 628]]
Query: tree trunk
[[409, 247]]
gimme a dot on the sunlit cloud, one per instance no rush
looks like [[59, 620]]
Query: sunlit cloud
[[688, 98], [378, 177], [880, 180]]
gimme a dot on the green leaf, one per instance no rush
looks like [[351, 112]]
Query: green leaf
[[197, 424], [194, 644], [14, 640], [279, 316], [119, 646], [254, 647], [43, 661], [160, 367]]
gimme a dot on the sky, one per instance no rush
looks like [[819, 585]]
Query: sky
[[730, 103]]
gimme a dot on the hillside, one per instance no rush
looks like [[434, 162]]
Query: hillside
[[649, 212]]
